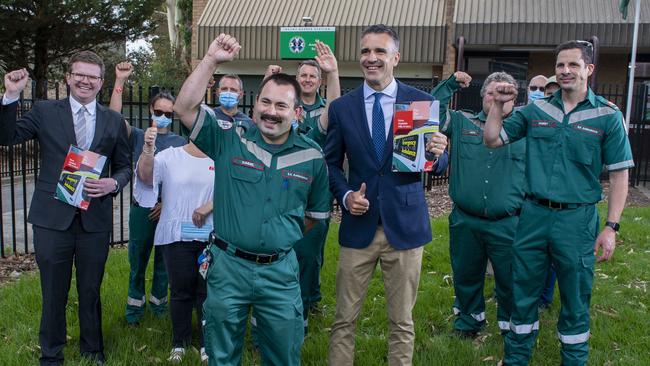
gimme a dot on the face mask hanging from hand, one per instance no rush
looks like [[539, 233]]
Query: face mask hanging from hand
[[162, 121], [228, 99], [534, 95]]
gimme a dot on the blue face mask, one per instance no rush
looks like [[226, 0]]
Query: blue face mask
[[162, 121], [228, 99], [534, 95], [190, 232]]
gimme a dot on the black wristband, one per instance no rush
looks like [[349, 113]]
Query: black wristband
[[613, 225]]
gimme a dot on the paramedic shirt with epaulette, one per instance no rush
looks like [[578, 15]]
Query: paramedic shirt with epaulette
[[566, 151], [263, 192], [237, 117], [311, 120], [484, 182]]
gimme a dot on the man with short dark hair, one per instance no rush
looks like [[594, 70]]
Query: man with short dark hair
[[313, 122], [64, 234], [385, 215], [570, 136], [271, 180]]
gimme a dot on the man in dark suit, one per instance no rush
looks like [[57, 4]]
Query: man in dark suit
[[385, 215], [63, 234]]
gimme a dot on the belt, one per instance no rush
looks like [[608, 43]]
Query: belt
[[516, 212], [557, 205], [253, 257]]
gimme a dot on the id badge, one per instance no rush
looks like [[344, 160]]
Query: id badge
[[204, 262]]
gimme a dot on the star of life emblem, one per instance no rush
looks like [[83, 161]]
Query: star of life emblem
[[297, 44]]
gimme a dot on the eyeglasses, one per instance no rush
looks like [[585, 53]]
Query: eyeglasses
[[534, 88], [158, 113], [80, 77]]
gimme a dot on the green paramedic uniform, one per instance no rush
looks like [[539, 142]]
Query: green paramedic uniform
[[559, 221], [141, 235], [311, 248], [488, 188], [263, 194]]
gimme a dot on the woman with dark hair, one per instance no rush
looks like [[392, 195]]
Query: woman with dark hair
[[143, 220]]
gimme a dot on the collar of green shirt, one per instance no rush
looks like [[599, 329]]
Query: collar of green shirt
[[254, 135], [556, 98], [320, 102]]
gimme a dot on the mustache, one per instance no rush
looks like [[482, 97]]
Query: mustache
[[269, 117]]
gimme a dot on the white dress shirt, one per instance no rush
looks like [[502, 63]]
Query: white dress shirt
[[91, 118], [387, 104]]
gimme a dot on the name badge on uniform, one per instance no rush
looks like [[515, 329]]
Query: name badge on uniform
[[225, 125]]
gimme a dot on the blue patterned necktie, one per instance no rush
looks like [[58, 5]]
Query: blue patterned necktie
[[378, 127]]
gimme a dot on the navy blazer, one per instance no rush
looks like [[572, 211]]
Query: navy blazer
[[50, 122], [397, 199]]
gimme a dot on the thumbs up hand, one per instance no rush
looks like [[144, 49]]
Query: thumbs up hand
[[150, 138], [356, 202]]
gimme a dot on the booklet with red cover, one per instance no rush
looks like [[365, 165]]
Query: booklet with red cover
[[78, 166], [413, 125]]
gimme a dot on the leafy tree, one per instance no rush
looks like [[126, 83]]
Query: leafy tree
[[38, 34]]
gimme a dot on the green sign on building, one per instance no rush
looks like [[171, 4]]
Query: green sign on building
[[300, 42]]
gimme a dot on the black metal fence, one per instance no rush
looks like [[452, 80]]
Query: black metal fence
[[19, 164], [639, 124]]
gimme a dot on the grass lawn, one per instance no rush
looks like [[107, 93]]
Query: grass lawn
[[619, 313]]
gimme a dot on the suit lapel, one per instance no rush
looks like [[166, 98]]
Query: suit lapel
[[101, 116], [67, 124]]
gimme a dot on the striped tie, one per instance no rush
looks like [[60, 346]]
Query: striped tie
[[80, 128], [378, 127]]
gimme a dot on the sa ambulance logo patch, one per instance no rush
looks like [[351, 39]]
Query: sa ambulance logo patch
[[225, 125]]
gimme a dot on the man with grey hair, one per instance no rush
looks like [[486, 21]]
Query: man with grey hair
[[231, 92], [487, 187]]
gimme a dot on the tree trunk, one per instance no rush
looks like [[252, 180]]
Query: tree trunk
[[171, 23], [41, 63]]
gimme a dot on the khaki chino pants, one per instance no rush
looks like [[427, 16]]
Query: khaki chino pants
[[401, 274]]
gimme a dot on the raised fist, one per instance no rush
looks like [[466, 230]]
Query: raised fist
[[223, 49], [463, 79], [123, 70], [504, 92], [15, 82], [272, 69]]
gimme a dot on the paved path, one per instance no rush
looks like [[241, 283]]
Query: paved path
[[644, 189]]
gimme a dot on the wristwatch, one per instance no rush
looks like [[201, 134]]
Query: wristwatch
[[614, 225]]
